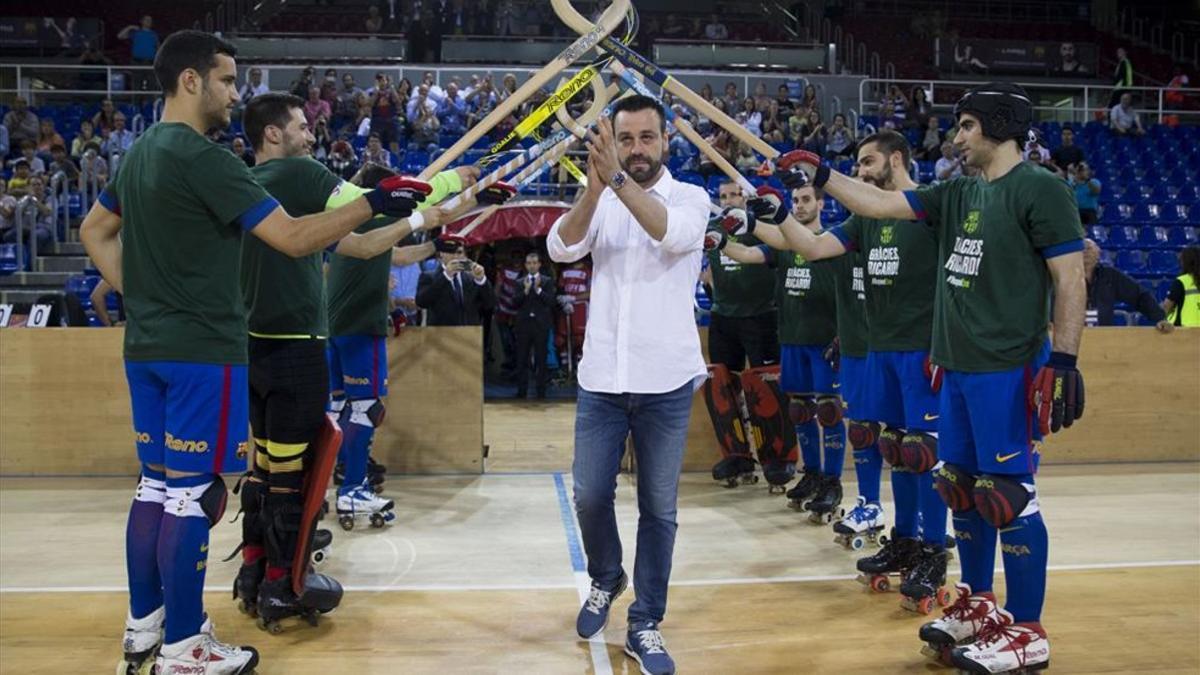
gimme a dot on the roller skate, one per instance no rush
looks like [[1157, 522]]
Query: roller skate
[[276, 601], [959, 623], [735, 470], [1004, 647], [863, 523], [202, 654], [322, 545], [826, 505], [246, 584], [361, 502], [778, 474], [376, 474], [801, 492], [893, 561], [143, 639], [925, 584]]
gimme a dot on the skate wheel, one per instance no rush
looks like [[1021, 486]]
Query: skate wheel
[[753, 480], [312, 619], [318, 557], [730, 483], [246, 608], [857, 543], [377, 520], [880, 584], [943, 596], [347, 522], [922, 606]]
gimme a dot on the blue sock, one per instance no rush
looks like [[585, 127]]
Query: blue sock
[[834, 440], [141, 544], [183, 560], [868, 468], [976, 541], [356, 441], [905, 485], [809, 437], [933, 512], [1024, 545]]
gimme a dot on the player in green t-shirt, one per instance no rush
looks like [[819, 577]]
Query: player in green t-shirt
[[288, 375], [166, 233], [1011, 256]]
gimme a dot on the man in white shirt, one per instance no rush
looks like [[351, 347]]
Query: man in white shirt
[[1123, 119], [641, 359]]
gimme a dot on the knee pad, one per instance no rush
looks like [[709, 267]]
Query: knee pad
[[206, 500], [829, 411], [955, 485], [150, 490], [889, 446], [862, 434], [918, 451], [367, 412], [802, 409], [1001, 500]]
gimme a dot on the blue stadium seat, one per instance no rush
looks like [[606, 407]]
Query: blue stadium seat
[[1122, 236], [1161, 288], [1147, 212], [1119, 214], [1180, 236], [8, 259], [1176, 212], [1152, 237], [691, 177], [1163, 262], [81, 286], [1131, 261], [1098, 234]]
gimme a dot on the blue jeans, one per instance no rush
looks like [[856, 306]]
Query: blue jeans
[[659, 424]]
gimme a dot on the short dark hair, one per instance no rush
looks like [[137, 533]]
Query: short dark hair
[[818, 193], [58, 147], [637, 103], [270, 109], [186, 49], [534, 253], [372, 173], [889, 142]]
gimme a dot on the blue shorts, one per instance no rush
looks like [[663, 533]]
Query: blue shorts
[[852, 373], [191, 417], [897, 391], [804, 370], [986, 424], [358, 366]]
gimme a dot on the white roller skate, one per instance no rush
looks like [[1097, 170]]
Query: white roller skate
[[960, 623], [143, 637], [361, 502], [203, 654], [863, 523], [1004, 647]]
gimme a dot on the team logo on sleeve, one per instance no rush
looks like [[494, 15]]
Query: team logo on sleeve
[[967, 255]]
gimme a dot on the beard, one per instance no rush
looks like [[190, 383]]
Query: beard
[[882, 180], [295, 147], [642, 175], [809, 220], [216, 112]]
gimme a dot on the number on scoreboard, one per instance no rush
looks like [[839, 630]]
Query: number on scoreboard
[[39, 316]]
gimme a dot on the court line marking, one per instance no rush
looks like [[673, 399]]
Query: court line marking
[[729, 581], [583, 584]]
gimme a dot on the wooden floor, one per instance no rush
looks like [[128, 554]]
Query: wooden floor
[[478, 575]]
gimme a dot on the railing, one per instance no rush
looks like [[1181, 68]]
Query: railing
[[26, 212], [1081, 106], [49, 81]]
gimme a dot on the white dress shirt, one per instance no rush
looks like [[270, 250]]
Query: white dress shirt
[[641, 335]]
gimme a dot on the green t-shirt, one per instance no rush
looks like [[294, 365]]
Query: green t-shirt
[[993, 293], [741, 290], [900, 278], [285, 296], [184, 202], [851, 304], [358, 289], [807, 299]]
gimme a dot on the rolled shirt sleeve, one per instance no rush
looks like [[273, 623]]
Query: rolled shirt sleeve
[[560, 252]]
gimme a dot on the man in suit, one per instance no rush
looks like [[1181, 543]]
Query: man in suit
[[534, 301], [457, 291]]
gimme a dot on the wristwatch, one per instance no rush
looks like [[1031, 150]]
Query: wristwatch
[[618, 180]]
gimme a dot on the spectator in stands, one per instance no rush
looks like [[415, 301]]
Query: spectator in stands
[[314, 107], [323, 139], [931, 140], [746, 161], [508, 86], [420, 101], [92, 170], [457, 291], [507, 20], [814, 133], [29, 155], [143, 41], [8, 209], [921, 110], [1066, 155], [1123, 119], [5, 147], [342, 160], [774, 124], [949, 166], [1183, 300], [900, 104], [534, 301], [732, 100], [480, 103], [675, 29], [86, 135], [43, 215], [721, 141], [22, 124], [374, 22], [104, 118], [1122, 77], [715, 30], [300, 86], [48, 136], [375, 153], [119, 139], [239, 150], [347, 101], [386, 107], [887, 116], [1087, 191], [808, 101], [425, 128], [1107, 286], [253, 86], [784, 98], [749, 116], [61, 162], [452, 111], [18, 185], [760, 97], [841, 142]]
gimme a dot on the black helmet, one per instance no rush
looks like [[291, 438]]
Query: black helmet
[[1004, 110]]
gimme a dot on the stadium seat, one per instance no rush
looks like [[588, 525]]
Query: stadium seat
[[1163, 262], [1131, 261], [1180, 236], [1175, 213], [8, 259], [1119, 214], [1152, 237], [1122, 236], [1098, 234]]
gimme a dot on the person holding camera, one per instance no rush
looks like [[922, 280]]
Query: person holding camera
[[1087, 191], [458, 291], [534, 301]]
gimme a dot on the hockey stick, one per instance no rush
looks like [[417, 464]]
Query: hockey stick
[[609, 21]]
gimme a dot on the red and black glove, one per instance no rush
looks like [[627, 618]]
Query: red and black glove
[[715, 239], [933, 373], [397, 196], [496, 194], [1056, 395], [736, 222], [768, 205], [799, 168], [833, 355]]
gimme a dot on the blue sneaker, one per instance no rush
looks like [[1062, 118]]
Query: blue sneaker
[[645, 644], [593, 616]]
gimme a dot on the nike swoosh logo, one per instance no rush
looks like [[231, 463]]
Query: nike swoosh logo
[[930, 418], [1004, 458]]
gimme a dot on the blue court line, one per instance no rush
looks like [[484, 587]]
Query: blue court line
[[574, 547]]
